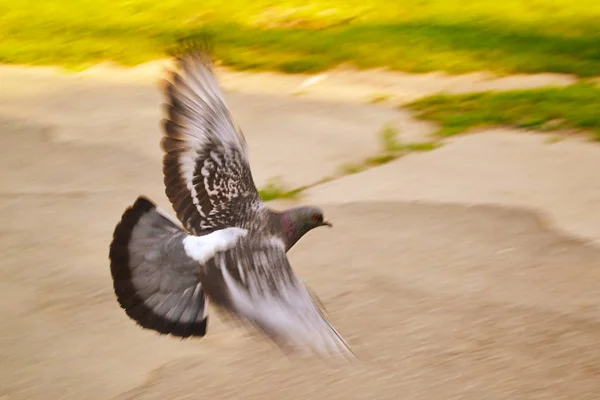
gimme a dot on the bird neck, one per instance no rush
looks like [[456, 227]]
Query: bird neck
[[292, 228]]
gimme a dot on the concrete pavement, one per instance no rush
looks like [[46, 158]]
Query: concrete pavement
[[450, 272]]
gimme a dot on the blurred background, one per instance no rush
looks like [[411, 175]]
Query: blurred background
[[453, 144]]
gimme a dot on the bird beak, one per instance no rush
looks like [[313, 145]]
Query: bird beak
[[327, 223]]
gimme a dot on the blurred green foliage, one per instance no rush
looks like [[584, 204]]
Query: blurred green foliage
[[297, 36], [548, 109]]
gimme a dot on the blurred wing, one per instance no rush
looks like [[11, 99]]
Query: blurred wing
[[156, 283], [254, 280], [206, 169]]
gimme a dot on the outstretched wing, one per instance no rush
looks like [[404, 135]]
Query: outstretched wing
[[206, 169], [254, 280], [156, 283]]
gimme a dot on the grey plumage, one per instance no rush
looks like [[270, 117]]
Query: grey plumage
[[264, 290], [205, 165], [231, 248], [156, 284]]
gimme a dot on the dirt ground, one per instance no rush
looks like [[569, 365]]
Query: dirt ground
[[469, 272]]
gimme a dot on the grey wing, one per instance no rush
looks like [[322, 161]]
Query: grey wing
[[206, 167], [155, 282], [255, 281]]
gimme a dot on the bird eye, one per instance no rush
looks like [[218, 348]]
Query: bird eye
[[317, 217]]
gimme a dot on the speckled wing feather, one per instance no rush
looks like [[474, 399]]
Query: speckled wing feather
[[156, 283], [254, 281], [206, 169]]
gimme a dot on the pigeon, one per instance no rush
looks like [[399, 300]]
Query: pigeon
[[225, 246]]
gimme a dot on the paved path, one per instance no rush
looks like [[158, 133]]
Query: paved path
[[447, 271]]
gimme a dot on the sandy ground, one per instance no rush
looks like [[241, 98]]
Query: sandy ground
[[450, 272], [342, 84]]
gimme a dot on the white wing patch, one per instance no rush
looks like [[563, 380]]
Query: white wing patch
[[203, 248]]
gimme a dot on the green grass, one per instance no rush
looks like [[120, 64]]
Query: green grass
[[391, 149], [379, 98], [391, 144], [548, 109], [388, 139], [275, 189], [350, 168], [296, 36]]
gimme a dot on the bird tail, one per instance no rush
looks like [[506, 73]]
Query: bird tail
[[155, 283]]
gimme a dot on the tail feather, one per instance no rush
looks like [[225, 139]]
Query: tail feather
[[155, 282]]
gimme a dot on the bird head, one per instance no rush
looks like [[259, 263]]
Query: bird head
[[309, 218], [296, 222]]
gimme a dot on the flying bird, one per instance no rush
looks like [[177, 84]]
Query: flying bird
[[226, 246]]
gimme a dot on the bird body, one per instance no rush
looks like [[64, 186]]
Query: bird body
[[226, 245]]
